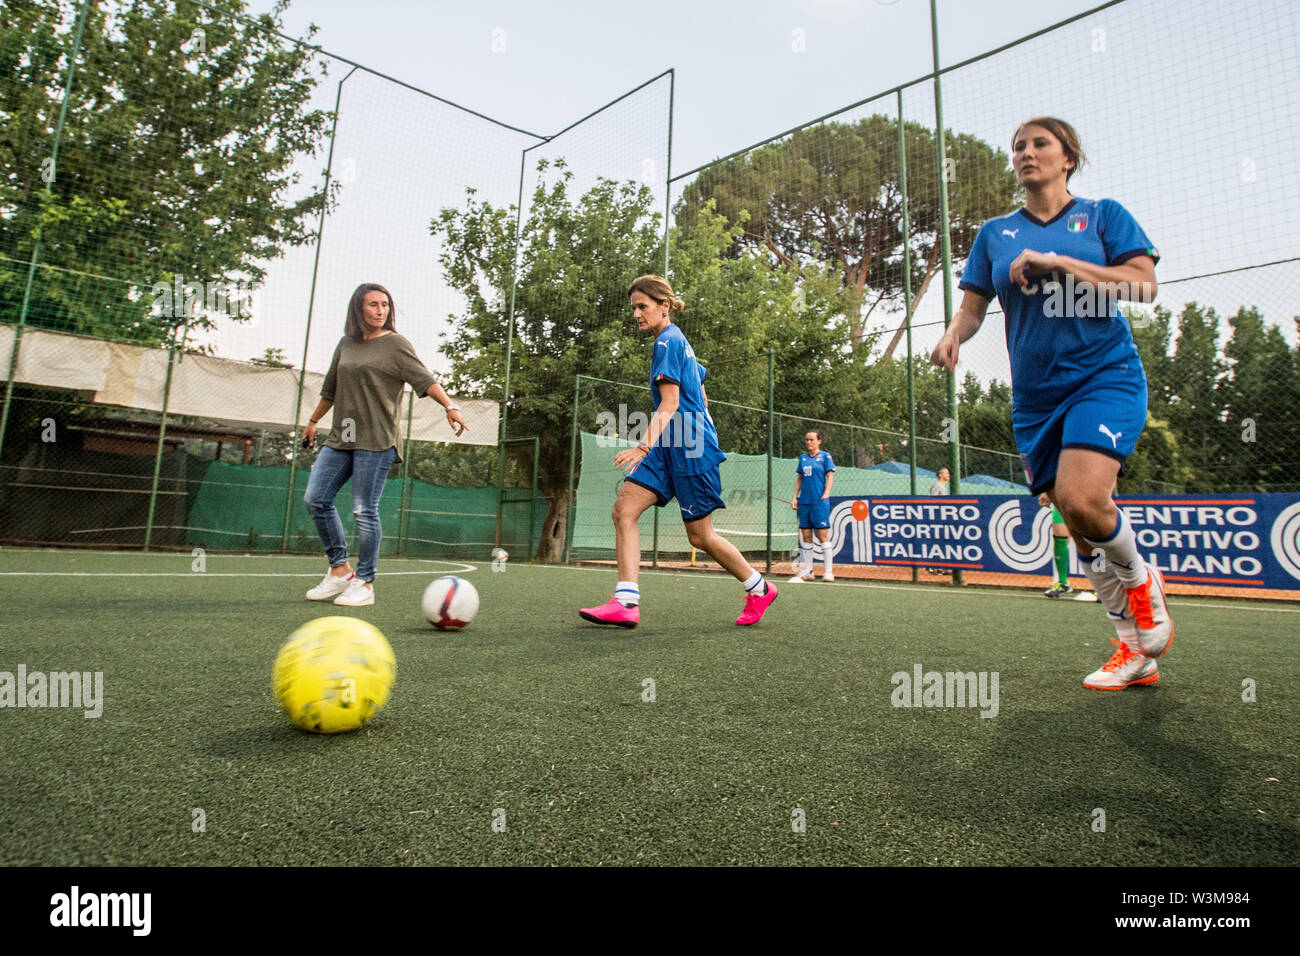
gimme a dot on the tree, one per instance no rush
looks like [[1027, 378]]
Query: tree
[[1217, 423], [176, 162], [831, 194], [576, 260], [456, 466], [1259, 396], [1195, 411], [272, 358], [738, 308], [1156, 464], [986, 417], [1151, 335]]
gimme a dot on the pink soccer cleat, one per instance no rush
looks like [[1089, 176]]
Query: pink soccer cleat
[[756, 605], [614, 612]]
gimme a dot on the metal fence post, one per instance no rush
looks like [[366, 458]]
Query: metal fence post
[[668, 182], [907, 308], [311, 305], [532, 503], [771, 424], [571, 516], [654, 557], [157, 459], [510, 342], [403, 509], [941, 154]]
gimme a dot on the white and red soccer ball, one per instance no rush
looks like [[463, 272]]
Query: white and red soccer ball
[[450, 603]]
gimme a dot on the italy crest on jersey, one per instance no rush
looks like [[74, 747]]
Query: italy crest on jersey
[[1077, 222]]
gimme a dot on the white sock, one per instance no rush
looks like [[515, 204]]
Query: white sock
[[1122, 554], [805, 558], [826, 560], [1110, 589], [627, 593], [754, 584], [1128, 636]]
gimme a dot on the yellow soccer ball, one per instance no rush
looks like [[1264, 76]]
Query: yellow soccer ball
[[333, 674]]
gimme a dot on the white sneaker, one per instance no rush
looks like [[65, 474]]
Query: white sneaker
[[329, 586], [1155, 628], [798, 578], [1124, 669], [828, 577], [357, 594]]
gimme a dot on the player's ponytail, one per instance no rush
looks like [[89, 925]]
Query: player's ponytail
[[657, 288]]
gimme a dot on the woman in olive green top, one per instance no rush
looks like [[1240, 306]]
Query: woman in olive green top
[[363, 385]]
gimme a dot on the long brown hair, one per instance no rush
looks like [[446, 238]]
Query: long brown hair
[[355, 329]]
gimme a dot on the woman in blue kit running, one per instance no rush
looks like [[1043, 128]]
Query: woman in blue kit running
[[1058, 267]]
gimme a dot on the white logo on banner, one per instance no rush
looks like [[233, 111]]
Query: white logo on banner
[[843, 525], [1285, 539], [1020, 557]]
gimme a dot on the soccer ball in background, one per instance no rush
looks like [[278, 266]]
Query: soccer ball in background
[[450, 602], [499, 556], [333, 674]]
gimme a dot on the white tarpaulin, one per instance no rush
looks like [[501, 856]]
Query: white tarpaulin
[[216, 389]]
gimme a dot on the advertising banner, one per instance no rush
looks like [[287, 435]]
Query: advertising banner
[[1247, 541]]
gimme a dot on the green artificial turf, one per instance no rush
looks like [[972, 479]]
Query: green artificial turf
[[537, 714]]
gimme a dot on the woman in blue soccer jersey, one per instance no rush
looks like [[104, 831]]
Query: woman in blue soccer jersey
[[1057, 266], [814, 476], [678, 458]]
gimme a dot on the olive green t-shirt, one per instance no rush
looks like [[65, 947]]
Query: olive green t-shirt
[[364, 383]]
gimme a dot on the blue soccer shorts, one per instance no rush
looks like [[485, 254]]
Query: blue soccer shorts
[[816, 515], [1106, 419], [698, 496]]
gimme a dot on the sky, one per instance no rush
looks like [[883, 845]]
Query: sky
[[1185, 107], [741, 76]]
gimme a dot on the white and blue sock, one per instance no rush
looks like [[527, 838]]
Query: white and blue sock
[[754, 584], [627, 593], [1122, 554], [1110, 589]]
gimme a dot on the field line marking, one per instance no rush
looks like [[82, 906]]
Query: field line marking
[[948, 592], [460, 568]]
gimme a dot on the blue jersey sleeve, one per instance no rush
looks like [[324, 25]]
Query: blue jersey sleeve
[[830, 462], [978, 274], [669, 365], [1121, 236]]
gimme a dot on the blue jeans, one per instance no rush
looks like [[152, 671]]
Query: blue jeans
[[368, 471]]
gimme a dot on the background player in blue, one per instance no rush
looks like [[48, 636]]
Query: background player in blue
[[814, 476], [679, 459], [1079, 394]]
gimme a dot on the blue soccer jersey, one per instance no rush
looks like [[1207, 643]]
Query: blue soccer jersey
[[1060, 335], [690, 439], [813, 469]]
